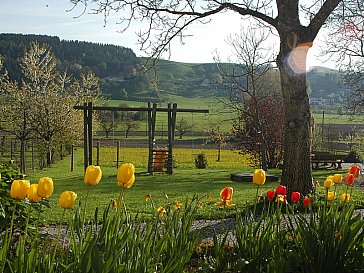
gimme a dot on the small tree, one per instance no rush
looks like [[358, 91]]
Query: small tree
[[247, 133], [108, 121], [346, 46], [217, 137], [43, 103], [183, 126], [15, 112], [251, 78], [129, 123]]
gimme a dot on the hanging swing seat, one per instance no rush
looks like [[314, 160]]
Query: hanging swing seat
[[160, 159]]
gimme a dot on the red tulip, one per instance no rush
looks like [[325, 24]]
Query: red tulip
[[307, 202], [354, 170], [295, 197], [349, 179], [281, 190], [271, 195], [226, 195], [282, 199]]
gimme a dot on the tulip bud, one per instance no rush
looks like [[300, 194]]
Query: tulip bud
[[338, 178], [259, 177], [328, 183], [67, 199], [295, 197], [33, 195], [271, 195], [126, 175], [354, 170], [92, 175], [19, 189], [331, 195], [345, 197], [307, 202], [349, 179], [281, 190], [45, 187]]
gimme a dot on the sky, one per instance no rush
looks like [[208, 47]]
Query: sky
[[55, 18]]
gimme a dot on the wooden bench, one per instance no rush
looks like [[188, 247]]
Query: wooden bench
[[326, 158]]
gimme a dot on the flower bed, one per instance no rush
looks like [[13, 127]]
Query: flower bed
[[276, 234]]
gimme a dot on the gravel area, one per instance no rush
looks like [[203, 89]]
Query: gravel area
[[206, 228]]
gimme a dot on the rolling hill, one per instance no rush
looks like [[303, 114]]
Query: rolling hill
[[118, 67]]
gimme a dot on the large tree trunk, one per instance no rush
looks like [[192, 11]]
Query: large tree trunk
[[296, 174]]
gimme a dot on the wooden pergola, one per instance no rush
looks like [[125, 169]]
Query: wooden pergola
[[152, 110]]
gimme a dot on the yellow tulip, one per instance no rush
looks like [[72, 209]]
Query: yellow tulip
[[67, 199], [331, 195], [328, 183], [33, 195], [45, 187], [19, 189], [345, 197], [93, 175], [128, 184], [259, 177], [338, 178], [177, 204], [126, 175], [161, 211]]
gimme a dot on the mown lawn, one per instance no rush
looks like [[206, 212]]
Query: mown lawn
[[164, 189]]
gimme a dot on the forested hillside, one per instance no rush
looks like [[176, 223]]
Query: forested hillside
[[117, 68]]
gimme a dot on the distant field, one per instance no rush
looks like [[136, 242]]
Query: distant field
[[217, 116], [200, 121], [336, 119]]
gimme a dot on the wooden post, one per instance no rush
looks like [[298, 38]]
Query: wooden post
[[33, 167], [90, 138], [85, 136], [3, 145], [72, 157], [117, 153], [98, 153], [61, 151], [151, 130], [171, 129], [11, 151]]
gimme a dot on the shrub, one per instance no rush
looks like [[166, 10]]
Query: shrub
[[354, 157], [201, 161]]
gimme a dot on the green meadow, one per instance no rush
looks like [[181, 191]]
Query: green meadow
[[186, 182]]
